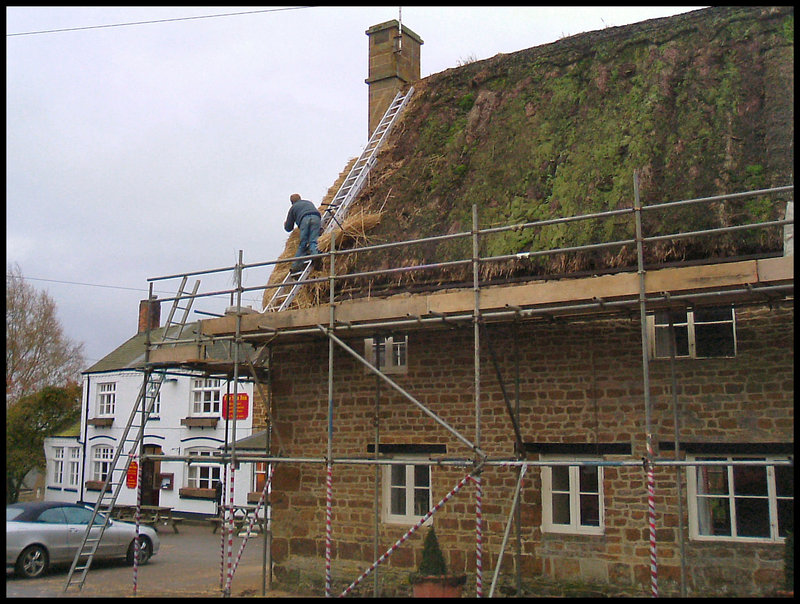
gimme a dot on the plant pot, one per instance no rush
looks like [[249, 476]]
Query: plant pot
[[444, 586]]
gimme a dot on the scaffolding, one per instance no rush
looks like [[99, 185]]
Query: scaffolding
[[263, 338]]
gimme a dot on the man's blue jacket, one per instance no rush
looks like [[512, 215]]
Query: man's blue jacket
[[298, 211]]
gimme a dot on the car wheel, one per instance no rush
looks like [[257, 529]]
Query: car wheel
[[145, 550], [33, 562]]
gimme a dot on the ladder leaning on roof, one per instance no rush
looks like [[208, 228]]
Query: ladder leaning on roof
[[130, 440], [336, 210]]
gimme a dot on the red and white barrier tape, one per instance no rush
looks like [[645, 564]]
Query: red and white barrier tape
[[651, 505], [230, 533], [478, 537], [328, 533], [137, 522]]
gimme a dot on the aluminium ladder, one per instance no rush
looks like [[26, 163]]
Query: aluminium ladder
[[336, 210], [130, 439], [180, 296]]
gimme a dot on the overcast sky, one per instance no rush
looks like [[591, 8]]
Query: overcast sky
[[152, 149]]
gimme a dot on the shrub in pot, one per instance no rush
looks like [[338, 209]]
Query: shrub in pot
[[431, 579]]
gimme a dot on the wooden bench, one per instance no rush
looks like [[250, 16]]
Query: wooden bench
[[239, 523]]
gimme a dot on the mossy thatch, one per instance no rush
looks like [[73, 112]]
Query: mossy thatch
[[700, 104]]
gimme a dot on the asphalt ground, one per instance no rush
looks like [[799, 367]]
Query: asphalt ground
[[187, 565]]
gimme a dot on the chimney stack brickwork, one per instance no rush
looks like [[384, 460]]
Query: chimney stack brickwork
[[149, 310], [392, 65]]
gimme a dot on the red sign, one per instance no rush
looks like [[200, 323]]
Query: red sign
[[132, 478], [242, 406]]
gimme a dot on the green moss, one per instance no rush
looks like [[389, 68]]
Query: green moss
[[570, 127], [466, 102], [754, 175], [787, 29]]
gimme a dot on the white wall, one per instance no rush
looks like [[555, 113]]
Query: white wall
[[164, 430]]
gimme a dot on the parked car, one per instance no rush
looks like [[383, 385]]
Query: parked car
[[42, 533]]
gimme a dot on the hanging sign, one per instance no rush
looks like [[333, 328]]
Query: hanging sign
[[132, 477], [242, 406]]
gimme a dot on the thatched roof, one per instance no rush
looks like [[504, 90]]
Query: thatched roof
[[700, 104]]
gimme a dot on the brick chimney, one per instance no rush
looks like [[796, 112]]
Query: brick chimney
[[149, 310], [393, 63]]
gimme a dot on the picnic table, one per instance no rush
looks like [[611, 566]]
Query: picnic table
[[241, 518], [152, 515]]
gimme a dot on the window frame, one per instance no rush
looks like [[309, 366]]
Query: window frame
[[74, 468], [58, 465], [690, 326], [106, 399], [99, 461], [410, 487], [206, 387], [574, 493], [259, 476], [375, 353], [155, 413], [731, 497], [192, 480]]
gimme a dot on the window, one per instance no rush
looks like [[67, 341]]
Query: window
[[106, 398], [740, 502], [259, 476], [389, 354], [58, 465], [699, 334], [572, 498], [201, 475], [101, 462], [406, 493], [80, 515], [205, 396], [52, 516], [151, 388], [74, 466]]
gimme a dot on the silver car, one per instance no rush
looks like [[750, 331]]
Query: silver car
[[41, 533]]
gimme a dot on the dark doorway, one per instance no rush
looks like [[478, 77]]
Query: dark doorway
[[150, 481]]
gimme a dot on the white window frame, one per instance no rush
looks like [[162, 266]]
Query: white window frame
[[690, 327], [259, 470], [206, 392], [574, 493], [74, 466], [156, 411], [409, 490], [375, 353], [195, 471], [730, 498], [106, 398], [102, 456], [58, 466]]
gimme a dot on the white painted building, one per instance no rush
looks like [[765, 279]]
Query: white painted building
[[186, 420]]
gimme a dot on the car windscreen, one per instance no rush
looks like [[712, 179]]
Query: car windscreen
[[12, 513]]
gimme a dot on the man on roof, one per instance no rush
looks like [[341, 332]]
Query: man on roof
[[305, 215]]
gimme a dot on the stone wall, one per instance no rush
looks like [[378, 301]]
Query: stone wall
[[579, 382]]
